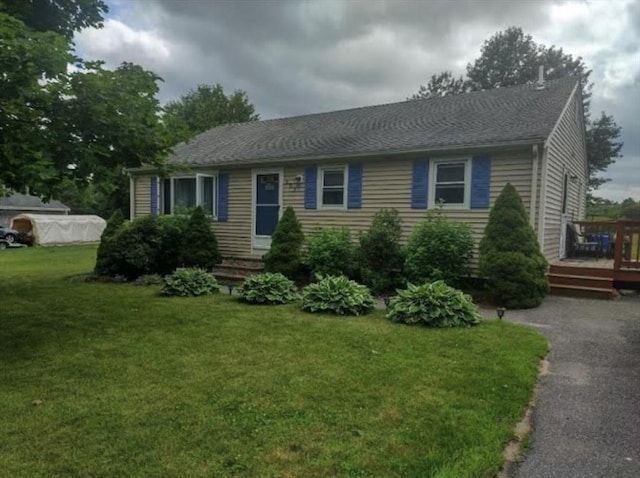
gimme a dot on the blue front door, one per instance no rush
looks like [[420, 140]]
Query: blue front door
[[267, 205]]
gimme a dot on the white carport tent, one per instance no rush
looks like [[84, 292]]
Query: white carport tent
[[57, 229]]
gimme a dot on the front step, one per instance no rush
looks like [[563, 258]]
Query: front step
[[575, 281], [585, 292], [233, 271]]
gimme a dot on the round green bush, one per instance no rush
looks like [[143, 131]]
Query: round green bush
[[330, 251], [337, 295], [433, 304], [510, 258], [189, 282], [438, 249], [268, 288], [380, 254]]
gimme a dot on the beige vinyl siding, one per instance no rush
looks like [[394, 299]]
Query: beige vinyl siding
[[234, 235], [142, 189], [566, 155], [387, 184]]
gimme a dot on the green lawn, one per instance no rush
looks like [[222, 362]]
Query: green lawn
[[102, 380]]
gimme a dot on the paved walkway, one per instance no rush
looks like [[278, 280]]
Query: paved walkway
[[587, 419]]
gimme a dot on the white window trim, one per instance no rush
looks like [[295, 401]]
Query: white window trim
[[320, 187], [433, 165], [197, 177]]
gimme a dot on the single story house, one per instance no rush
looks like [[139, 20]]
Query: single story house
[[339, 168], [11, 206]]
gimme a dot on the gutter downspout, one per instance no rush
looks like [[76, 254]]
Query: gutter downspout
[[543, 195], [132, 197], [534, 185]]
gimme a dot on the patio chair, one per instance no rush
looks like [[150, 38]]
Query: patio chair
[[577, 245]]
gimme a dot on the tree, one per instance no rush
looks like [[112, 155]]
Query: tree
[[285, 254], [207, 107], [602, 148], [510, 257], [510, 58], [630, 209], [86, 126], [442, 85]]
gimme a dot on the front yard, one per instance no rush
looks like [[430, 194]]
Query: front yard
[[113, 380]]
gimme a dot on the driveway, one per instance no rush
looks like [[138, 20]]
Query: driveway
[[587, 418]]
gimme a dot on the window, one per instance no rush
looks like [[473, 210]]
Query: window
[[450, 183], [184, 192], [332, 189]]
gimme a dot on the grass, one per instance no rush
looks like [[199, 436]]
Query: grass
[[109, 380]]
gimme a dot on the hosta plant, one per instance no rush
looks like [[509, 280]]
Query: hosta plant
[[189, 282], [268, 288], [433, 304], [337, 295]]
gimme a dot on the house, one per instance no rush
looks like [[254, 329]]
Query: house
[[339, 168], [11, 206]]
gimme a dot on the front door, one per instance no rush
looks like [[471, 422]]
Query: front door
[[267, 197]]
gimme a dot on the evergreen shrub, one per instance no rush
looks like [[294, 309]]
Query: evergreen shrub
[[438, 249], [337, 295], [200, 247], [285, 254], [510, 258], [105, 257], [380, 254], [268, 288], [330, 251], [433, 304]]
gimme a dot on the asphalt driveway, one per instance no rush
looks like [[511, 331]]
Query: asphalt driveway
[[587, 418]]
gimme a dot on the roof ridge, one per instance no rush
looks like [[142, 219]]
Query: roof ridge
[[357, 108]]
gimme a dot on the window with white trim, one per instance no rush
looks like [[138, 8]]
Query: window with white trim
[[332, 187], [450, 183], [180, 193]]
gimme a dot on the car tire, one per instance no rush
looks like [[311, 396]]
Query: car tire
[[10, 238]]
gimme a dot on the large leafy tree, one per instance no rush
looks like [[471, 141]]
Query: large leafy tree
[[77, 128], [510, 58], [208, 106]]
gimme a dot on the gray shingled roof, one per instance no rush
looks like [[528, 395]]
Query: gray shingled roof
[[502, 115], [25, 201]]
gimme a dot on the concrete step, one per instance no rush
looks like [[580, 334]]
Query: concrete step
[[586, 292]]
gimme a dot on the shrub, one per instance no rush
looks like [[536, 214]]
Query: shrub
[[268, 288], [200, 247], [330, 251], [173, 233], [189, 282], [137, 246], [105, 258], [337, 295], [510, 257], [285, 254], [433, 304], [438, 249], [380, 254]]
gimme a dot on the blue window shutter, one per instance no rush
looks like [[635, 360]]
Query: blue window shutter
[[420, 184], [310, 187], [153, 199], [354, 192], [480, 181], [223, 197]]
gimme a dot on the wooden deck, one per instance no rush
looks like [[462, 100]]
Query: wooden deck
[[616, 266]]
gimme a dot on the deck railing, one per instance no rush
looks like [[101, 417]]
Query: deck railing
[[619, 240]]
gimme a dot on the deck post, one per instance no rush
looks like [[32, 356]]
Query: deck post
[[617, 258]]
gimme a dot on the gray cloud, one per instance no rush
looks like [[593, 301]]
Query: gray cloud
[[303, 57]]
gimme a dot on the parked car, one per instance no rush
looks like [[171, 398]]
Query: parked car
[[12, 236]]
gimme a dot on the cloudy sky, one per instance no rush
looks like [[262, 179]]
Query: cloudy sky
[[307, 56]]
